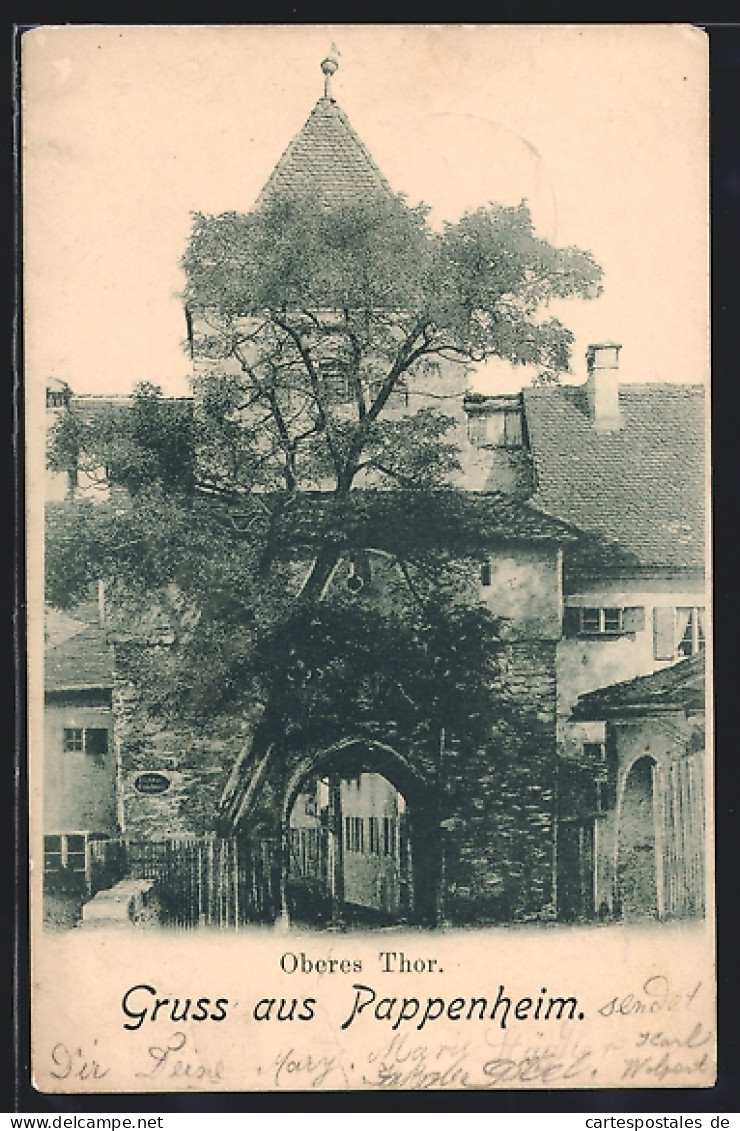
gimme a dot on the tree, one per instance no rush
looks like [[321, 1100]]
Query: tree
[[308, 325], [297, 297], [131, 445]]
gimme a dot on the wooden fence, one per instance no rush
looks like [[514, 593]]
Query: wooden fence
[[200, 881]]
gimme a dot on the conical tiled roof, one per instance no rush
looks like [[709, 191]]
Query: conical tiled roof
[[327, 159]]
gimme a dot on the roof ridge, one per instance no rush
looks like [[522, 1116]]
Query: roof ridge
[[624, 387], [352, 132], [662, 386]]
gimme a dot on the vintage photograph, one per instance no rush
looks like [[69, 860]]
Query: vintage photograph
[[367, 374]]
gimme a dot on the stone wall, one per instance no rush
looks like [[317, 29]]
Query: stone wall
[[499, 848], [192, 759]]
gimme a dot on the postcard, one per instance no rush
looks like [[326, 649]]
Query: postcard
[[370, 733]]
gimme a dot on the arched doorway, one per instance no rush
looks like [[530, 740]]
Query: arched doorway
[[637, 886], [361, 849]]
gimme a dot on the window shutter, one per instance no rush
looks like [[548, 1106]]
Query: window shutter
[[477, 429], [514, 429], [495, 429], [664, 647], [571, 620], [96, 741], [633, 619]]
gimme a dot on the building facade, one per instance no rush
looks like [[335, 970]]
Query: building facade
[[649, 835], [625, 464], [81, 770], [585, 535]]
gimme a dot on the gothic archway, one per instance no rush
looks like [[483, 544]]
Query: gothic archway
[[362, 830], [637, 877]]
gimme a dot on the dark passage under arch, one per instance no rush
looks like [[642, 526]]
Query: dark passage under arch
[[361, 849]]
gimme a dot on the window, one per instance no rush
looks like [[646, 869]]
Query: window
[[285, 392], [374, 835], [400, 394], [692, 639], [678, 632], [87, 740], [500, 429], [477, 430], [304, 850], [336, 382], [485, 574], [601, 766], [66, 851], [602, 621], [333, 360], [354, 840], [73, 738], [389, 836], [595, 755]]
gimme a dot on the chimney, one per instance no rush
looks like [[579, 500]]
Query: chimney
[[602, 385]]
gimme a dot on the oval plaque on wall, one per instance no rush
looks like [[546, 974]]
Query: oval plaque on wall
[[151, 782]]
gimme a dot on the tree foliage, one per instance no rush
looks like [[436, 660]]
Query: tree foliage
[[296, 298], [131, 445], [309, 327]]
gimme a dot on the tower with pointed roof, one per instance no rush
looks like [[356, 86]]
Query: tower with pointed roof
[[326, 160], [327, 163]]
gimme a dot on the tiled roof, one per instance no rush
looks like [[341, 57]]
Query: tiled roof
[[79, 661], [56, 385], [400, 520], [641, 486], [90, 407], [60, 626], [681, 685], [327, 159]]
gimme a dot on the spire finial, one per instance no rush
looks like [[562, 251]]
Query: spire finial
[[329, 66]]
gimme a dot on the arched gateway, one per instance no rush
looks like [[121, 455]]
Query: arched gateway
[[358, 829], [364, 844], [637, 886]]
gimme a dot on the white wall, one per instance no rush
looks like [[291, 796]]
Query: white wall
[[79, 788], [587, 663]]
